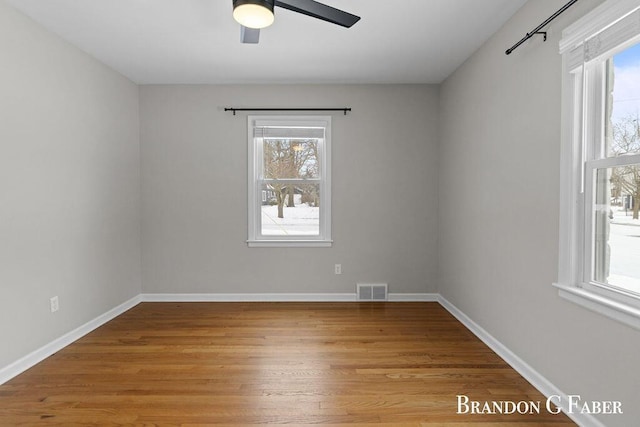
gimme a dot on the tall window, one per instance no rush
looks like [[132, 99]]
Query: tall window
[[613, 177], [289, 181], [600, 223]]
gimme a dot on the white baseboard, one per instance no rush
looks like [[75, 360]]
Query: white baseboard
[[413, 297], [37, 356], [346, 297], [536, 379], [306, 297]]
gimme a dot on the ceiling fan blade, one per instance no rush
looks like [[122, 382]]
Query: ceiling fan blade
[[320, 11], [249, 35]]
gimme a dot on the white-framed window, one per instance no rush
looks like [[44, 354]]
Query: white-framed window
[[289, 181], [599, 265]]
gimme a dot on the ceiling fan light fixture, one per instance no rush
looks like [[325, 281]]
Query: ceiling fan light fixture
[[253, 13]]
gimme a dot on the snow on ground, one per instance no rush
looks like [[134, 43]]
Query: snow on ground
[[302, 220], [624, 245]]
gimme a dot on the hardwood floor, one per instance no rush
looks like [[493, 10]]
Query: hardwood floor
[[188, 364]]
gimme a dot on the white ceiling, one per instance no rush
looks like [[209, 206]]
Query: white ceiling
[[197, 41]]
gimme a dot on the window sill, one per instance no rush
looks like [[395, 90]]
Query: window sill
[[621, 312], [289, 243]]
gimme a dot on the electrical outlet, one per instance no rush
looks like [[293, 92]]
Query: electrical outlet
[[55, 305], [338, 269]]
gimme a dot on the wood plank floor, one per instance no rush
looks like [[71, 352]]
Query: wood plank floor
[[235, 364]]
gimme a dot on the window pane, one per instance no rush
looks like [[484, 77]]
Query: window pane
[[291, 158], [290, 210], [623, 104], [617, 227]]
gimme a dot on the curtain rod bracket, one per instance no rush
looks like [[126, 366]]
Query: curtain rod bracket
[[544, 33]]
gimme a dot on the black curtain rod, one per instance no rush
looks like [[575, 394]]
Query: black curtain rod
[[541, 26], [343, 109]]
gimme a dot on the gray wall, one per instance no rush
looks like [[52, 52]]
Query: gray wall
[[69, 187], [498, 221], [194, 185]]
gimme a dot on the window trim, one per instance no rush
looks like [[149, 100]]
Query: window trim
[[255, 238], [609, 28]]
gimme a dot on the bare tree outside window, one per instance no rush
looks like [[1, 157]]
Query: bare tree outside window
[[625, 181], [291, 159]]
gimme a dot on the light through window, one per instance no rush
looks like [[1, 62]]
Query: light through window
[[616, 234], [289, 184]]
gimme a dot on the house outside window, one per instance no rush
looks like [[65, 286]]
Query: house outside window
[[599, 266], [289, 181]]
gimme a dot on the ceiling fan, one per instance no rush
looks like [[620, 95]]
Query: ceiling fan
[[253, 15]]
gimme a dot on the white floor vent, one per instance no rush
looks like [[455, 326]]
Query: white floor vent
[[372, 292]]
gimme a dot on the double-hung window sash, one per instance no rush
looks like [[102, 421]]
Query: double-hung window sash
[[289, 181]]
